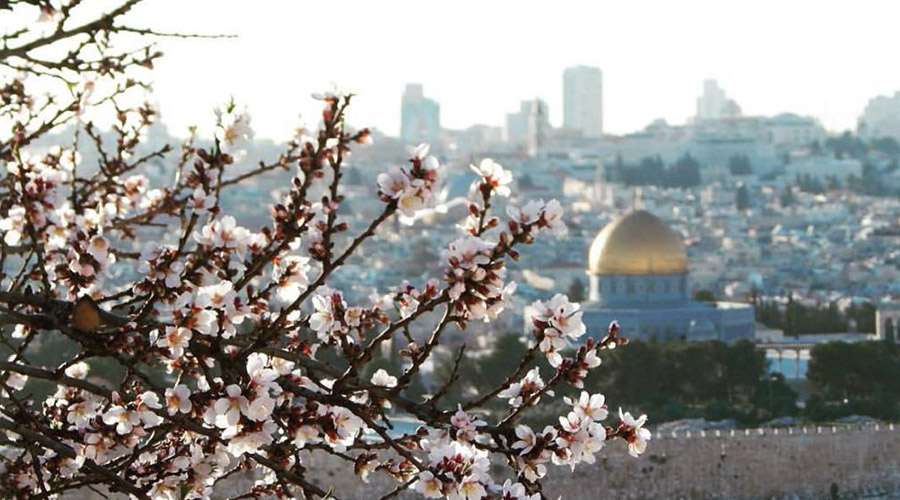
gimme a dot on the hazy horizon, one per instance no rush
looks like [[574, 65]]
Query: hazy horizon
[[811, 58]]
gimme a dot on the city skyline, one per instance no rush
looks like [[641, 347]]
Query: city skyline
[[830, 72], [272, 307]]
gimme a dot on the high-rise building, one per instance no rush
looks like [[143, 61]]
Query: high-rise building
[[583, 100], [881, 118], [529, 126], [714, 104], [420, 117]]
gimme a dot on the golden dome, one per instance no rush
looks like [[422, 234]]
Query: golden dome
[[637, 243]]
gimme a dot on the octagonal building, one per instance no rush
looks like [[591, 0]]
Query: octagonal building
[[638, 271]]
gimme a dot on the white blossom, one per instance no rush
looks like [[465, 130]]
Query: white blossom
[[125, 420], [543, 216], [559, 321], [428, 486], [589, 406], [224, 233], [636, 435], [469, 252], [178, 399], [228, 409], [393, 182], [146, 403], [466, 425], [527, 439], [260, 372], [13, 225], [81, 413], [324, 320], [234, 132], [250, 442], [176, 339], [290, 273], [16, 380], [77, 370], [519, 391], [494, 175], [346, 425], [260, 409], [516, 491], [383, 378]]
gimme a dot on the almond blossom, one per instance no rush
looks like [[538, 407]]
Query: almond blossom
[[123, 419], [326, 318], [589, 406], [407, 304], [383, 379], [234, 132], [12, 226], [238, 343], [227, 410], [176, 339], [291, 275], [527, 389], [240, 443], [224, 233], [590, 361], [428, 486], [412, 188], [516, 491], [155, 263], [462, 471], [260, 373], [580, 440], [495, 177], [178, 399], [544, 216], [635, 433], [346, 426], [81, 413], [555, 322], [477, 285], [527, 439], [468, 253], [466, 425], [393, 183], [77, 370], [260, 408], [147, 402]]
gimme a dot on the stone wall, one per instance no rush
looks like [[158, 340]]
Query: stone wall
[[814, 462], [791, 464]]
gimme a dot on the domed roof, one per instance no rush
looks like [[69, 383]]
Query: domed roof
[[637, 243]]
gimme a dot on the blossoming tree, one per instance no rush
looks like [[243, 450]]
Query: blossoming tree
[[221, 333]]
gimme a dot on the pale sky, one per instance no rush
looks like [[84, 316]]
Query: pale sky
[[480, 58]]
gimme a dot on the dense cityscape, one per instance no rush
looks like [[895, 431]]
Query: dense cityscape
[[504, 287], [772, 210], [788, 230]]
